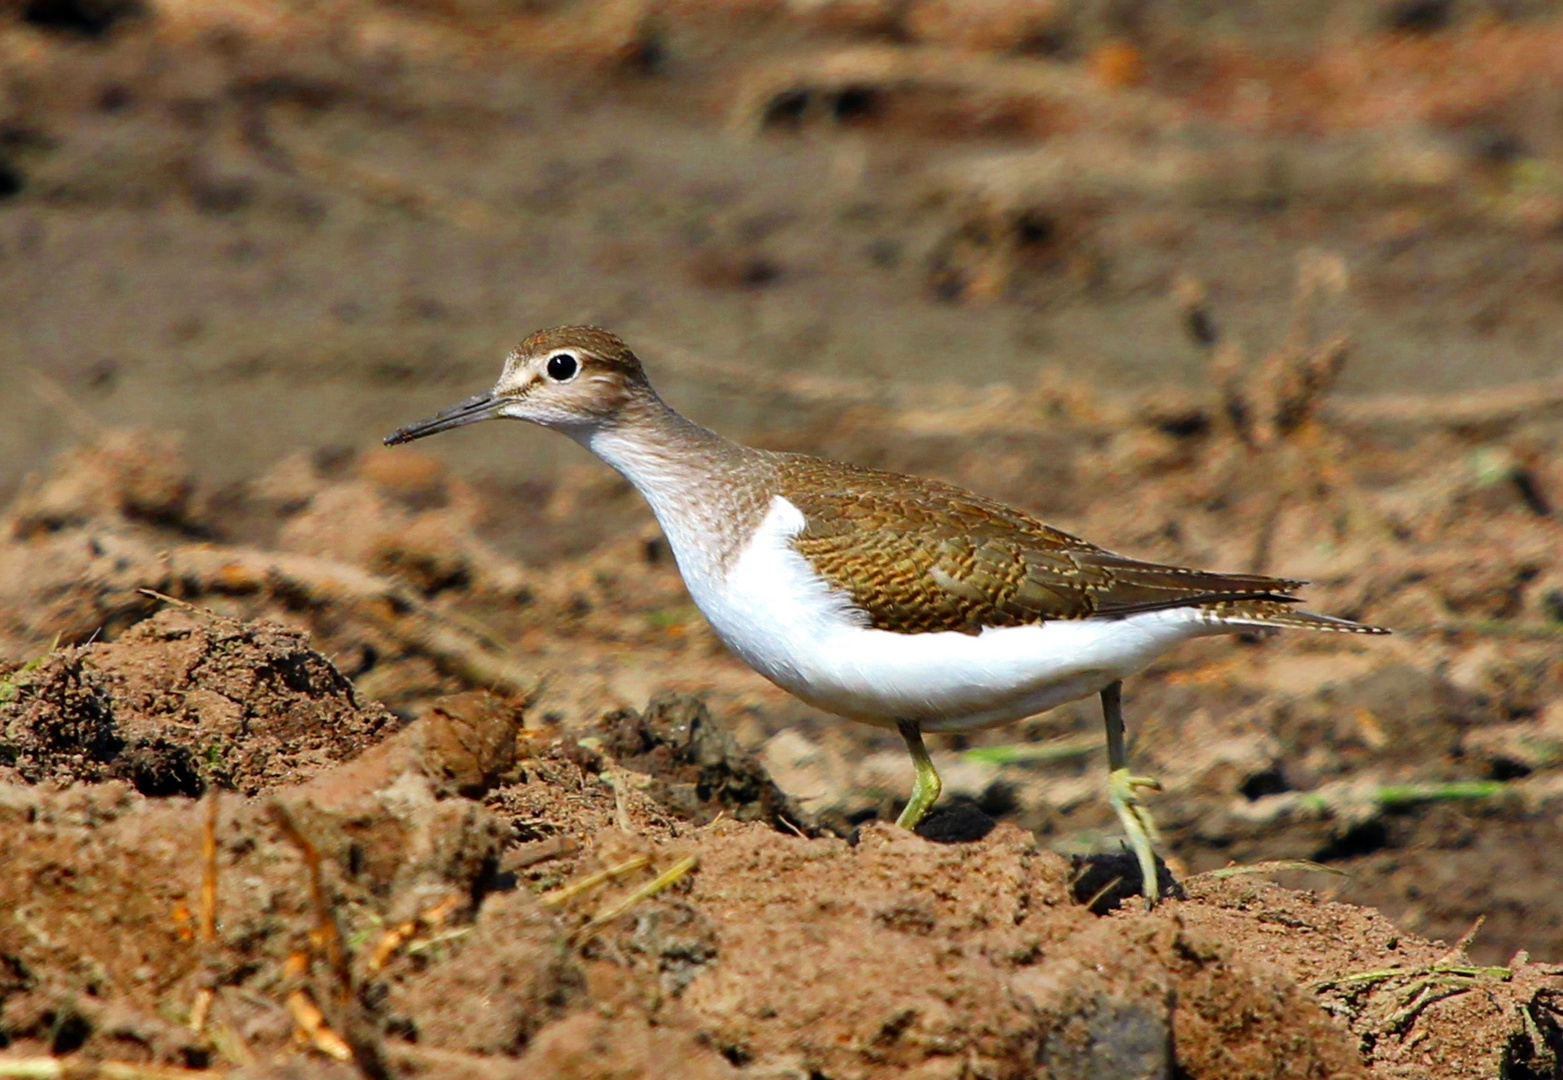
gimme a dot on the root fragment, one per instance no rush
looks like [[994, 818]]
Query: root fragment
[[206, 920], [326, 935], [397, 937], [312, 1025]]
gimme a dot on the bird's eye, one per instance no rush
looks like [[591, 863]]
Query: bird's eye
[[562, 367]]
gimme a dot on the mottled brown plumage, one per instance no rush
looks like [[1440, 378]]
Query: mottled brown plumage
[[921, 556]]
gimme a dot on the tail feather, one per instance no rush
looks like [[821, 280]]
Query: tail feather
[[1282, 614]]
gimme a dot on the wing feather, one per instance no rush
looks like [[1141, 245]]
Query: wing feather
[[920, 556]]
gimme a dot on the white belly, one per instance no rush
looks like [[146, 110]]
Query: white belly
[[778, 615]]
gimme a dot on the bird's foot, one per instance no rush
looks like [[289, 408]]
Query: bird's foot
[[924, 794], [1123, 791], [926, 788]]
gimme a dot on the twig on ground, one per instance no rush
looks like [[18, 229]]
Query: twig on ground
[[613, 911], [537, 852], [1467, 409], [1366, 978], [1269, 866], [397, 937], [432, 1061], [1394, 796], [586, 884], [1459, 947]]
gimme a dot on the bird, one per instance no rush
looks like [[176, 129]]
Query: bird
[[899, 601]]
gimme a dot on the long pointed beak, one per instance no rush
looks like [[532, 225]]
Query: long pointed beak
[[484, 406]]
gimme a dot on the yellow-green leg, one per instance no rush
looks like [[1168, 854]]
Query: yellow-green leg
[[1123, 791], [925, 790]]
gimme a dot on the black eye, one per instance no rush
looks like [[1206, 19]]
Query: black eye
[[562, 366]]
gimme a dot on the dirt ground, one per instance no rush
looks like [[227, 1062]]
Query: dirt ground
[[258, 818], [318, 758], [475, 896]]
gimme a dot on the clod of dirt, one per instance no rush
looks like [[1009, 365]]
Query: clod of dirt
[[898, 957], [957, 823], [183, 700], [108, 943], [466, 744], [587, 1046], [1416, 1008], [395, 513], [120, 474], [698, 770], [489, 991], [1106, 881]]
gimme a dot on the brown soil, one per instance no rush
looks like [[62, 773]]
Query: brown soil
[[1109, 262], [809, 937], [440, 942], [182, 701]]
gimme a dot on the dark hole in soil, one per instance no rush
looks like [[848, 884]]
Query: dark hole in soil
[[647, 55], [855, 104], [1187, 426], [786, 109], [998, 799], [1033, 227], [1552, 602], [1269, 782], [160, 771], [1363, 839], [115, 98], [11, 182], [758, 273], [1201, 327], [68, 1035], [1419, 16], [84, 18], [1530, 491], [1506, 769]]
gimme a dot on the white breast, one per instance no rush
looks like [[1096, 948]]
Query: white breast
[[772, 609]]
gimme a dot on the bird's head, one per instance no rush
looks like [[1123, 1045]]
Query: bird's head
[[577, 378]]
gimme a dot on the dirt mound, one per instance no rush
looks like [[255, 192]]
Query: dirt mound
[[697, 769], [180, 701], [975, 958], [475, 896]]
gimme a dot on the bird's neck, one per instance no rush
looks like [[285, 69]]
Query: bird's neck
[[701, 487]]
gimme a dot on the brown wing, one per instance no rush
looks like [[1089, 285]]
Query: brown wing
[[919, 556]]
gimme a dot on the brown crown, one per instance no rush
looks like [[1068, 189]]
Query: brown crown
[[606, 348]]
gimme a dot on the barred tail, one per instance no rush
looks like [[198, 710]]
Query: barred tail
[[1280, 613]]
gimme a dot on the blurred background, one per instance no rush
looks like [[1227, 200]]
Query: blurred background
[[1263, 285]]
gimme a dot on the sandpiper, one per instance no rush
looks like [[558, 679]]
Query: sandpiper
[[894, 600]]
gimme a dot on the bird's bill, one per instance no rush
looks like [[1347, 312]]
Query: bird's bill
[[484, 406]]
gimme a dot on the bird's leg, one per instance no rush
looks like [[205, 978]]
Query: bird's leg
[[1123, 791], [925, 791]]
